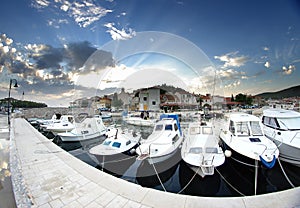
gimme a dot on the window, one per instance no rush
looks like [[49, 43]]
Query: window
[[128, 142], [145, 98], [231, 127], [106, 143], [194, 130], [158, 127], [195, 150], [255, 128], [116, 144], [211, 150], [168, 127], [175, 138], [207, 130], [175, 127], [153, 102], [289, 123], [242, 129]]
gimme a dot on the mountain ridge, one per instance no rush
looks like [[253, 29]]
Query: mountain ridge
[[285, 93]]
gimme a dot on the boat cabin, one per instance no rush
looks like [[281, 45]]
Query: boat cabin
[[245, 125]]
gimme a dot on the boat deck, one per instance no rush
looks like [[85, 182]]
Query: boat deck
[[44, 175]]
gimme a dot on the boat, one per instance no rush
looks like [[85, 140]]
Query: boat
[[243, 140], [105, 113], [139, 120], [117, 151], [164, 141], [283, 128], [55, 118], [66, 123], [89, 128], [201, 150]]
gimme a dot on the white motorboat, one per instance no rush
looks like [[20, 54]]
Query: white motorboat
[[66, 123], [139, 120], [201, 150], [55, 118], [243, 139], [283, 128], [89, 128], [117, 144], [164, 141]]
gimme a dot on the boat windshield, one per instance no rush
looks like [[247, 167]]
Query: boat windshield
[[242, 128], [207, 130], [159, 127], [256, 128], [195, 150], [289, 123], [211, 150], [194, 130]]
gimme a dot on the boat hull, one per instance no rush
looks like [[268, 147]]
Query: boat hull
[[115, 164], [242, 159], [288, 153], [69, 137]]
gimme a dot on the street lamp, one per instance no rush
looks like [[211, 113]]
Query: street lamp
[[8, 112]]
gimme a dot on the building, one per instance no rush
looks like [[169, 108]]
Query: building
[[149, 99]]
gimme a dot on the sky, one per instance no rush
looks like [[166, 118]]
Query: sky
[[61, 50]]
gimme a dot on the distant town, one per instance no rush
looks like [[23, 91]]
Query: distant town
[[169, 98]]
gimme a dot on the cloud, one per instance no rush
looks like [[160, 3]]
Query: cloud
[[233, 85], [288, 70], [266, 48], [230, 74], [39, 4], [84, 13], [267, 64], [231, 60], [117, 34], [43, 70]]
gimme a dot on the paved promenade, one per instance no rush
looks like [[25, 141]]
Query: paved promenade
[[45, 176]]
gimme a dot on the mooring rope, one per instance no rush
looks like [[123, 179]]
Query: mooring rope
[[162, 185], [285, 173], [243, 162], [189, 182], [229, 183], [114, 161]]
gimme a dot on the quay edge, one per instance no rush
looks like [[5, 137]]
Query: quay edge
[[44, 175]]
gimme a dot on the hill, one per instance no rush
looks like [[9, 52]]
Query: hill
[[289, 92]]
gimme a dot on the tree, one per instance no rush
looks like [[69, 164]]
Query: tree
[[232, 98], [244, 99], [117, 103]]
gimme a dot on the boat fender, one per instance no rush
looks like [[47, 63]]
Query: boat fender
[[268, 164], [228, 153], [132, 151]]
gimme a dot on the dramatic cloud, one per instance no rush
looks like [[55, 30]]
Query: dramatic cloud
[[232, 60], [117, 34], [43, 70]]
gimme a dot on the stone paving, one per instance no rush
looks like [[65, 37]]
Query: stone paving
[[51, 177]]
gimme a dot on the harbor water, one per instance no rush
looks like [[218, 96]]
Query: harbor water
[[230, 179]]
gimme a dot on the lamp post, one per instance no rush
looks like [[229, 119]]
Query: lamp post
[[8, 112]]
